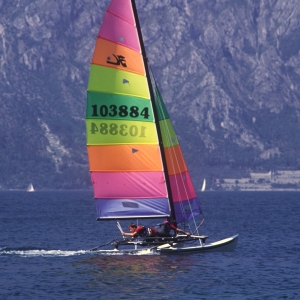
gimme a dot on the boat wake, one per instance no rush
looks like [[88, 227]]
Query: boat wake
[[127, 252], [26, 252], [31, 252]]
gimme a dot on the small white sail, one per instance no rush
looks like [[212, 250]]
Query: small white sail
[[203, 185], [30, 188]]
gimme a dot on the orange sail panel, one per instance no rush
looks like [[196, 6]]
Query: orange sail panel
[[112, 55], [175, 160], [124, 158]]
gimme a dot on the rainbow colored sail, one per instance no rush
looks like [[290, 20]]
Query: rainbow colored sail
[[126, 160], [184, 197]]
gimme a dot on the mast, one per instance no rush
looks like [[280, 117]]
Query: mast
[[154, 109]]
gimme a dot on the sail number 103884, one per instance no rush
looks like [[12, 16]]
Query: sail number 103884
[[115, 129], [122, 111]]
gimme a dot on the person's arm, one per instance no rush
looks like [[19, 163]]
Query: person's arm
[[129, 233], [178, 229]]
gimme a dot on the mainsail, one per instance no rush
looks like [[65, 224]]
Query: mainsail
[[132, 147]]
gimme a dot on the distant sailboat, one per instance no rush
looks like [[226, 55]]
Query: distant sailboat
[[30, 188], [203, 185]]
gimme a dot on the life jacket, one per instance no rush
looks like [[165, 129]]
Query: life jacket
[[141, 231], [144, 231]]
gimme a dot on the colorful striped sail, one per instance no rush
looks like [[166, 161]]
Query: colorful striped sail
[[135, 160], [184, 197], [122, 141]]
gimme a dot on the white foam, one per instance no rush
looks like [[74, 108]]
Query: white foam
[[53, 253], [31, 253]]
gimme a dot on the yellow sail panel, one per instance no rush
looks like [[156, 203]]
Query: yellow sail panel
[[108, 132], [113, 81], [168, 134], [125, 158], [116, 56]]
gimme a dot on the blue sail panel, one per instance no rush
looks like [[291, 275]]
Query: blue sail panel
[[132, 208], [186, 210]]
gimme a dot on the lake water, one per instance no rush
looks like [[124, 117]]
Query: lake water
[[45, 238]]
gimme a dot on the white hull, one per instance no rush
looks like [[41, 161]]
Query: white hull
[[140, 251], [225, 245]]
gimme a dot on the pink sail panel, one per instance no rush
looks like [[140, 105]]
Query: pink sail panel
[[129, 185], [123, 9], [182, 187], [119, 31]]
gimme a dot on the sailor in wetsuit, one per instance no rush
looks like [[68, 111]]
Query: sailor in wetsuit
[[168, 225]]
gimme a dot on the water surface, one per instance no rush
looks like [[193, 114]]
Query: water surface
[[45, 238]]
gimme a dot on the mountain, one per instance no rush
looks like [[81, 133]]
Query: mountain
[[228, 70]]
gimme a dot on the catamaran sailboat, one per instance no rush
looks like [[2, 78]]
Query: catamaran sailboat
[[136, 164]]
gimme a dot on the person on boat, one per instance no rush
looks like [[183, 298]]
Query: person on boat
[[141, 231], [168, 225]]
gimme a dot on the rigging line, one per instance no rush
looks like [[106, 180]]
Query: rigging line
[[202, 221]]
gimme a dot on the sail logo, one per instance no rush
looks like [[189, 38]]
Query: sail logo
[[120, 60]]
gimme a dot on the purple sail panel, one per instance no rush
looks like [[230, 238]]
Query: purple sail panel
[[132, 208], [186, 210]]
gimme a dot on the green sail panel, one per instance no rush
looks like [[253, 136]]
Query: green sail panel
[[108, 132], [161, 108], [118, 107], [114, 81], [168, 134]]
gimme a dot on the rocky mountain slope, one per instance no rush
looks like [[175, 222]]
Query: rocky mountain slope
[[229, 72]]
